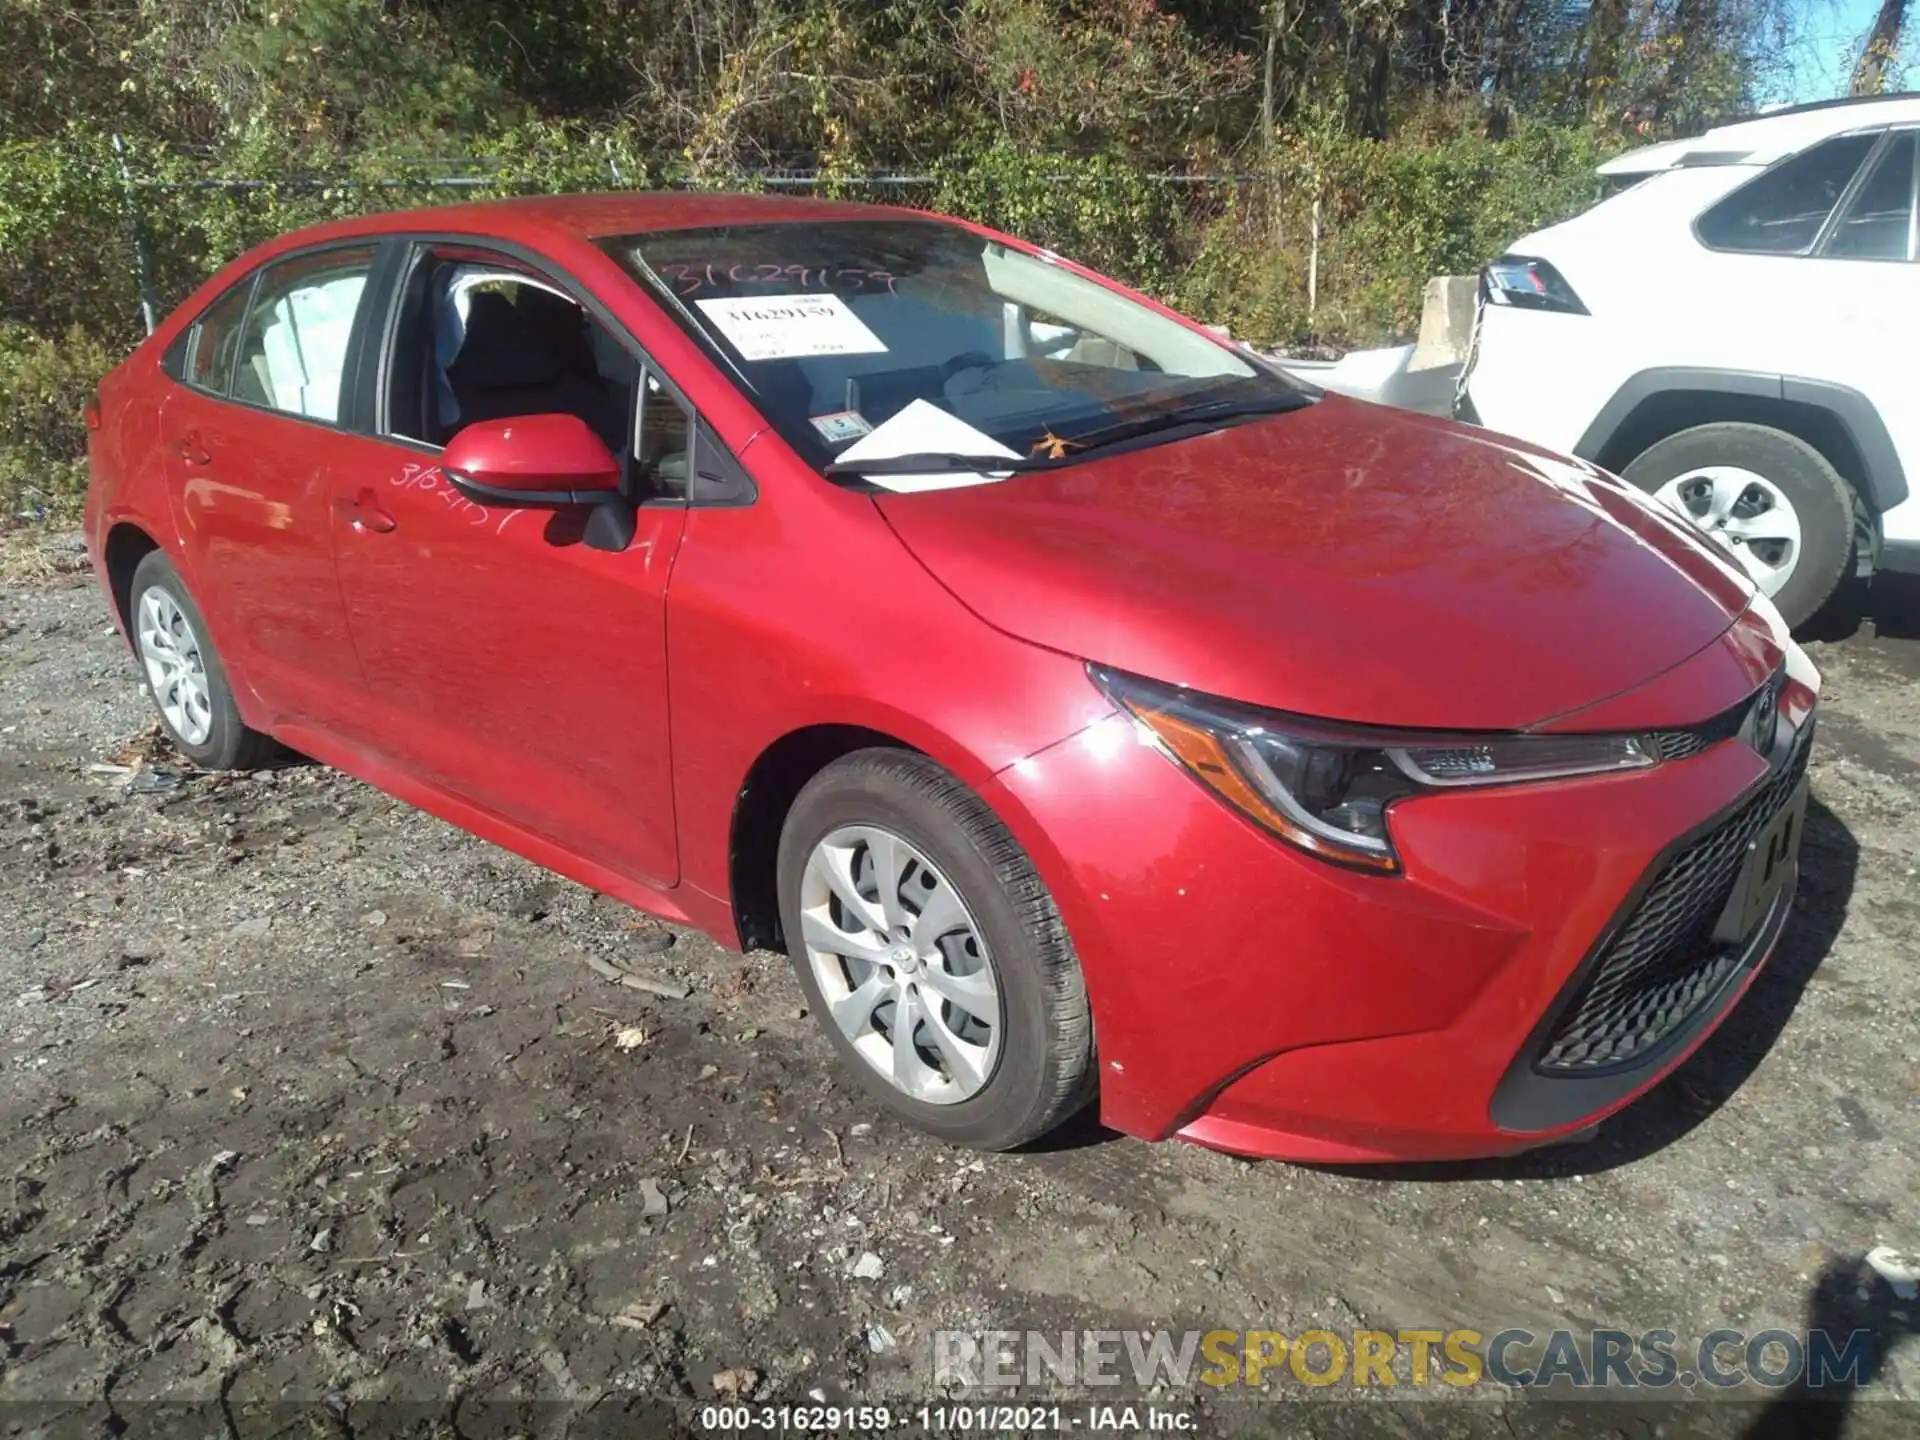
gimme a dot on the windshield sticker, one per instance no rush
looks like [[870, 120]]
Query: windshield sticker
[[787, 327], [922, 428], [841, 426]]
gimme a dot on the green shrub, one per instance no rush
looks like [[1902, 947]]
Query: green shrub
[[1248, 275], [1438, 198], [1100, 210], [45, 381], [1392, 214]]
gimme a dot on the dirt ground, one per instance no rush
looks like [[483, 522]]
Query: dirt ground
[[310, 1097]]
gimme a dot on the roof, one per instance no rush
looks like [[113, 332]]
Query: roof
[[537, 220], [622, 212], [1762, 139], [1808, 107]]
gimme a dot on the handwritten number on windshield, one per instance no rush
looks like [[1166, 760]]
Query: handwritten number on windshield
[[690, 279]]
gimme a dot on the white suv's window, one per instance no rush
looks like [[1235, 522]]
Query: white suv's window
[[1879, 223], [1782, 212]]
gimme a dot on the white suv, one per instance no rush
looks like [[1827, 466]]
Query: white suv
[[1738, 333]]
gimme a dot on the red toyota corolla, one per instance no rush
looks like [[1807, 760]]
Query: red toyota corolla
[[1087, 707]]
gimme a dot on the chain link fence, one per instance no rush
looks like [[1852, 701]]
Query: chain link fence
[[99, 242], [177, 229], [1328, 247], [1323, 245]]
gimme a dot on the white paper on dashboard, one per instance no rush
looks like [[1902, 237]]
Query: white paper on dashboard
[[919, 429], [790, 327]]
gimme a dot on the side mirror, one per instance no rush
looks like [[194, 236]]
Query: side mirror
[[531, 460]]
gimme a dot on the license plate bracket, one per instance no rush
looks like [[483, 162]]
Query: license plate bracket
[[1772, 864]]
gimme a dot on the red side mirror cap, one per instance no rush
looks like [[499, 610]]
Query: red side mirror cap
[[532, 460]]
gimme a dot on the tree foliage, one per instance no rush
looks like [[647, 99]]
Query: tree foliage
[[1210, 151]]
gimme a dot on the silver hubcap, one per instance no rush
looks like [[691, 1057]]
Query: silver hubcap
[[901, 964], [175, 668], [1745, 512]]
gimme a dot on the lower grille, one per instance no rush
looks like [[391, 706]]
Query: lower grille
[[1659, 969]]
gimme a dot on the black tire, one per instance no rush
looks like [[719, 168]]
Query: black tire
[[1822, 501], [1045, 1071], [229, 744]]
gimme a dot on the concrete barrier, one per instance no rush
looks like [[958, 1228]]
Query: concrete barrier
[[1420, 376], [1446, 322]]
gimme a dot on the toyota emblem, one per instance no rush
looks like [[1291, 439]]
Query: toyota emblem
[[1766, 717]]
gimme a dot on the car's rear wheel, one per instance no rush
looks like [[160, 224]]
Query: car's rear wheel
[[932, 952], [184, 674], [1772, 500]]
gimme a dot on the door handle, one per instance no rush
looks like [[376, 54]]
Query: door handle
[[192, 451], [364, 514]]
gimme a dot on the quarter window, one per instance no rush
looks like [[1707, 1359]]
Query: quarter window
[[1782, 212], [665, 449], [1879, 222], [293, 352], [216, 337]]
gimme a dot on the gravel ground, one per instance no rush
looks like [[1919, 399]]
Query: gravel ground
[[310, 1097]]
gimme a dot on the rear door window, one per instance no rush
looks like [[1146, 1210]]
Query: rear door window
[[293, 352], [1878, 223], [1783, 211]]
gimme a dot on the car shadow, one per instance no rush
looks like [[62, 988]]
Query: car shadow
[[1851, 1304], [1083, 1132], [1888, 606], [1830, 857]]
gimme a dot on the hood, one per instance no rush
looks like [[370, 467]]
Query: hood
[[1345, 561]]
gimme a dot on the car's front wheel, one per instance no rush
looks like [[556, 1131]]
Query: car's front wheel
[[932, 952], [184, 675], [1771, 499]]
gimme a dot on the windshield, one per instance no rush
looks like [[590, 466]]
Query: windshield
[[869, 338]]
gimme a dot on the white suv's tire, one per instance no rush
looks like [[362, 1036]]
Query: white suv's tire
[[1772, 499]]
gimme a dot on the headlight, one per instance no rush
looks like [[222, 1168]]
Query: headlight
[[1326, 786], [1528, 284]]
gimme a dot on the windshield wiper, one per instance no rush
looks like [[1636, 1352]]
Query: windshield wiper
[[928, 463], [1179, 418], [1075, 447]]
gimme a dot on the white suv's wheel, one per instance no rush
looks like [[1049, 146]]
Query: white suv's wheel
[[1770, 498], [1746, 512]]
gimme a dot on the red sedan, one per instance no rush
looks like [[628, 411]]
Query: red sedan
[[1086, 706]]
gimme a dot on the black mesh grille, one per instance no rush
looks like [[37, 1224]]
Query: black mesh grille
[[1660, 967], [1679, 744]]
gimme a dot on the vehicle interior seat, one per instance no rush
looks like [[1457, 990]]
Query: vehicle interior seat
[[563, 325], [507, 366], [1099, 350]]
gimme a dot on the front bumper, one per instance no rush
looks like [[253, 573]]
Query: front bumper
[[1256, 1000], [1538, 375]]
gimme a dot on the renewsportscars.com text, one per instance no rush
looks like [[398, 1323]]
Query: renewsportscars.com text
[[1459, 1358]]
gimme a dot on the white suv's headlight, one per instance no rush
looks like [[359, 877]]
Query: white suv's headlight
[[1528, 284]]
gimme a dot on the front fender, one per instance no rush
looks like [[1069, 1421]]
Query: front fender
[[1883, 479]]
